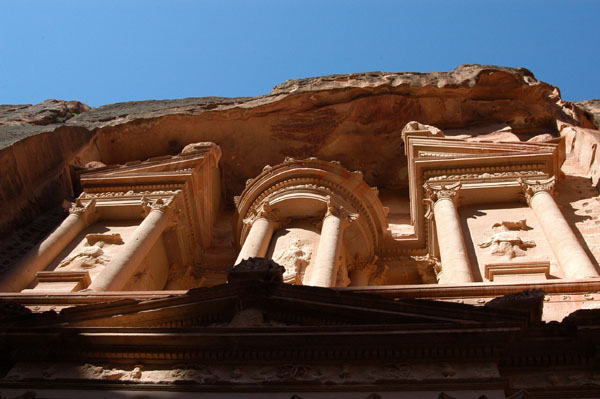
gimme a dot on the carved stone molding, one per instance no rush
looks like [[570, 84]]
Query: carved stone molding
[[500, 171], [532, 187]]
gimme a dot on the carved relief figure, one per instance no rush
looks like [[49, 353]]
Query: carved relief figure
[[92, 253], [295, 259], [506, 240]]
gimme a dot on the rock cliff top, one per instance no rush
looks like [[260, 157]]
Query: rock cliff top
[[480, 84], [330, 117]]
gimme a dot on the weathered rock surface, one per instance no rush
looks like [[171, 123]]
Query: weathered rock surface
[[593, 107], [45, 113], [331, 118]]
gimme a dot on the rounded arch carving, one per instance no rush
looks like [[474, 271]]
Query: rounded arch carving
[[311, 189]]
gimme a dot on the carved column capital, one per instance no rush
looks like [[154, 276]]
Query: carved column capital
[[368, 265], [87, 212], [340, 212], [532, 187], [163, 205], [266, 211], [434, 193]]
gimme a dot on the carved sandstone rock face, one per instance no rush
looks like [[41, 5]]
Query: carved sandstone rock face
[[332, 117]]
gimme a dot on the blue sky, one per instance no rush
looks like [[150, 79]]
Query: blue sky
[[102, 52]]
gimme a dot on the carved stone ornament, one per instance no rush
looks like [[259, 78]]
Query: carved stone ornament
[[339, 211], [532, 187], [437, 193]]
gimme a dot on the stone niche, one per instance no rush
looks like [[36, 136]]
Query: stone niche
[[505, 242], [133, 228], [317, 219]]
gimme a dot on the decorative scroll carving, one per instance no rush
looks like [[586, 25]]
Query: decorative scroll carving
[[436, 193], [532, 187], [506, 241]]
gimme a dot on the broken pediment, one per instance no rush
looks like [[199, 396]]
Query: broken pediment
[[256, 297]]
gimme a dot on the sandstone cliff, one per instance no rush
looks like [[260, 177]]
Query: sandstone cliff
[[330, 117]]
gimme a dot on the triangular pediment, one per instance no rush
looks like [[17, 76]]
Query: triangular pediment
[[256, 304], [163, 169]]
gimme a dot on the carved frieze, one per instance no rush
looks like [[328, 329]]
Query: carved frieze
[[487, 175], [129, 193]]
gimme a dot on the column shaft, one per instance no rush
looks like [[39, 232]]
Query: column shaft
[[123, 266], [455, 262], [40, 256], [258, 239], [326, 261], [567, 249]]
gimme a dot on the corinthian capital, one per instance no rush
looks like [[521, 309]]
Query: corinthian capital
[[434, 193], [85, 211], [339, 211], [532, 187], [266, 211]]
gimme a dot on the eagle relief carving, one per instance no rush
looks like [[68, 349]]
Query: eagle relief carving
[[506, 240]]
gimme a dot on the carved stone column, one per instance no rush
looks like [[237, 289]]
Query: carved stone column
[[40, 256], [568, 251], [326, 263], [123, 266], [453, 253], [262, 225]]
